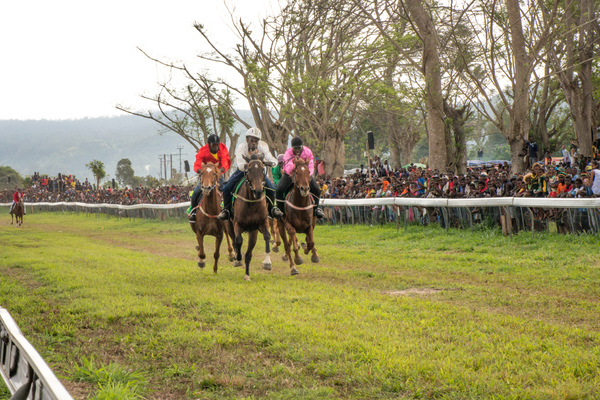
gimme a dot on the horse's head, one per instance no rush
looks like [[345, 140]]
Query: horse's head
[[255, 173], [301, 176], [209, 177]]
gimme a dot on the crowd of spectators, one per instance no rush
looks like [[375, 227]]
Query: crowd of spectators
[[559, 179], [68, 189]]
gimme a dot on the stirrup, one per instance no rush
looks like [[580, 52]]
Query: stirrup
[[224, 215], [276, 213]]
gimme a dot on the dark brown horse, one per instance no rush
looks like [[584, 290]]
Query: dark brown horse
[[206, 216], [299, 217], [250, 214], [17, 212]]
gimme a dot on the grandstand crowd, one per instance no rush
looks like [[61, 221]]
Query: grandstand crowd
[[569, 177]]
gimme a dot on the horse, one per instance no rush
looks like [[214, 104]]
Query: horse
[[17, 212], [206, 216], [250, 214], [299, 216]]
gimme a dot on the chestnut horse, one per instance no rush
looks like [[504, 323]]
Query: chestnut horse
[[250, 214], [17, 212], [299, 217], [206, 215]]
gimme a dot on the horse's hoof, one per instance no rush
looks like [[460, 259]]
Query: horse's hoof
[[231, 257], [314, 258], [238, 264], [201, 264], [294, 271], [284, 257], [247, 278], [304, 245], [275, 249], [298, 261], [266, 266]]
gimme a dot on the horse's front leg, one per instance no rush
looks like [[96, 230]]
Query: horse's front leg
[[201, 254], [217, 253], [266, 264], [310, 246], [239, 240], [292, 244], [252, 236], [230, 250], [294, 241]]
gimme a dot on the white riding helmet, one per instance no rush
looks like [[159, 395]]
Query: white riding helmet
[[254, 132]]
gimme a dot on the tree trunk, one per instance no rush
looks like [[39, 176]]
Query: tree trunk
[[433, 85], [519, 114], [516, 155], [334, 153]]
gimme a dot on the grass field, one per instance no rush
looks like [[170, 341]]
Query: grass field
[[120, 310]]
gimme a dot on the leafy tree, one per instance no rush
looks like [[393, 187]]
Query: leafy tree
[[97, 168], [125, 174], [9, 178]]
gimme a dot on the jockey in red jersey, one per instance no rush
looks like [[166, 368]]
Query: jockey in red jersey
[[16, 198], [215, 152]]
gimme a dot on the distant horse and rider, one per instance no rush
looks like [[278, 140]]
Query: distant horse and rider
[[16, 213]]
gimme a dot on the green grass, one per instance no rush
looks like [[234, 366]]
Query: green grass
[[120, 310]]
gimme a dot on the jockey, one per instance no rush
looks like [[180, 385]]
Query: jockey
[[285, 183], [16, 198], [252, 145], [215, 152]]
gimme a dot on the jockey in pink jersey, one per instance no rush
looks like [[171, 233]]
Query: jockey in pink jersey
[[285, 183]]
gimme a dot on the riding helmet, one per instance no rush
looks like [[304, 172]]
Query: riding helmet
[[297, 141], [213, 139], [254, 132]]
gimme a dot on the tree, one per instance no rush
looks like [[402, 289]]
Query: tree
[[9, 178], [97, 168], [125, 174], [573, 53]]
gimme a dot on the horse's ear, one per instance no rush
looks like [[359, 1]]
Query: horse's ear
[[246, 158], [222, 170]]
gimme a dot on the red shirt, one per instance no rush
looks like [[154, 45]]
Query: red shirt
[[17, 196], [204, 156]]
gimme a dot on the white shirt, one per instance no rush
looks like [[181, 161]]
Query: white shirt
[[242, 149]]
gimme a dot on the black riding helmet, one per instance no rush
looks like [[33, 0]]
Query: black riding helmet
[[213, 139], [297, 141]]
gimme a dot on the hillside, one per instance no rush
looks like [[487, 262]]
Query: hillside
[[50, 147]]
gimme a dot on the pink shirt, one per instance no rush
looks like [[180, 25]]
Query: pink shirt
[[306, 155]]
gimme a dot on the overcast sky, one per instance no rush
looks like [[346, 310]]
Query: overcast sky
[[73, 59]]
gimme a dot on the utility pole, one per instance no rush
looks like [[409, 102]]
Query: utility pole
[[165, 165], [180, 148], [160, 168]]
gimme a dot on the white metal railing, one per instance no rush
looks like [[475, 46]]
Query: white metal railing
[[543, 202], [25, 372]]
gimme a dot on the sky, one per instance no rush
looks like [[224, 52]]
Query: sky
[[71, 59]]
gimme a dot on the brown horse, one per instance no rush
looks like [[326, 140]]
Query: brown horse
[[17, 212], [299, 217], [206, 216], [250, 214]]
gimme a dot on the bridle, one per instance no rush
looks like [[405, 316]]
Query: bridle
[[250, 185]]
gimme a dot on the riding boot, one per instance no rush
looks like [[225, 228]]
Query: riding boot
[[196, 198], [319, 213]]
